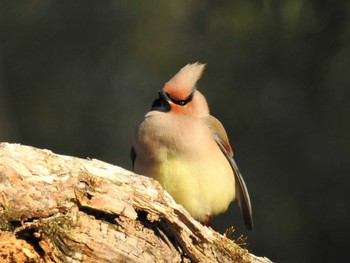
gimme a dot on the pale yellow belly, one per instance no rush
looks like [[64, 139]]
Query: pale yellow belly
[[203, 187]]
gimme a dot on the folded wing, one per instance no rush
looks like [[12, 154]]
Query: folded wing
[[242, 194]]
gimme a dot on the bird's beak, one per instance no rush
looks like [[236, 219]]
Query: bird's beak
[[162, 103], [163, 95]]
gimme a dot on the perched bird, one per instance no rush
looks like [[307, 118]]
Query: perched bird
[[187, 150]]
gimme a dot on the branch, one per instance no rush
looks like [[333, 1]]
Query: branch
[[56, 208]]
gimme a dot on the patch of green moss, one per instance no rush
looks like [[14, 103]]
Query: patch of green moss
[[5, 225], [57, 229], [233, 248], [9, 219]]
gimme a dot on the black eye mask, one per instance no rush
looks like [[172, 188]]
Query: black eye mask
[[167, 97], [162, 103]]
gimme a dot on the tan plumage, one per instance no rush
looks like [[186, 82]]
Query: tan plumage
[[187, 150]]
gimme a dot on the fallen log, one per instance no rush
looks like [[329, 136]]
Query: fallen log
[[56, 208]]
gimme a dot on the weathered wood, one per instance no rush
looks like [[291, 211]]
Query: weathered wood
[[56, 208]]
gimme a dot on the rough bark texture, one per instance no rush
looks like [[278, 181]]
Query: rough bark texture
[[56, 208]]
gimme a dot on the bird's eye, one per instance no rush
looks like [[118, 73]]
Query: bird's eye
[[166, 96], [182, 102]]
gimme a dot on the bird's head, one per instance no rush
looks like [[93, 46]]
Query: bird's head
[[180, 96]]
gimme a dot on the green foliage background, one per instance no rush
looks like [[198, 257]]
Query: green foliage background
[[76, 76]]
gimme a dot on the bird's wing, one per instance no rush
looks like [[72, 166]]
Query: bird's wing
[[241, 189], [133, 156]]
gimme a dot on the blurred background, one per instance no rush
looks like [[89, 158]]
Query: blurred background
[[76, 77]]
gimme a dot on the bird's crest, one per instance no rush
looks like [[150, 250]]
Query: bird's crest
[[182, 84]]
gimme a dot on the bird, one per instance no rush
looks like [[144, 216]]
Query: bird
[[187, 150]]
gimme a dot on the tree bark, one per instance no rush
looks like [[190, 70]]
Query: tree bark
[[56, 208]]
